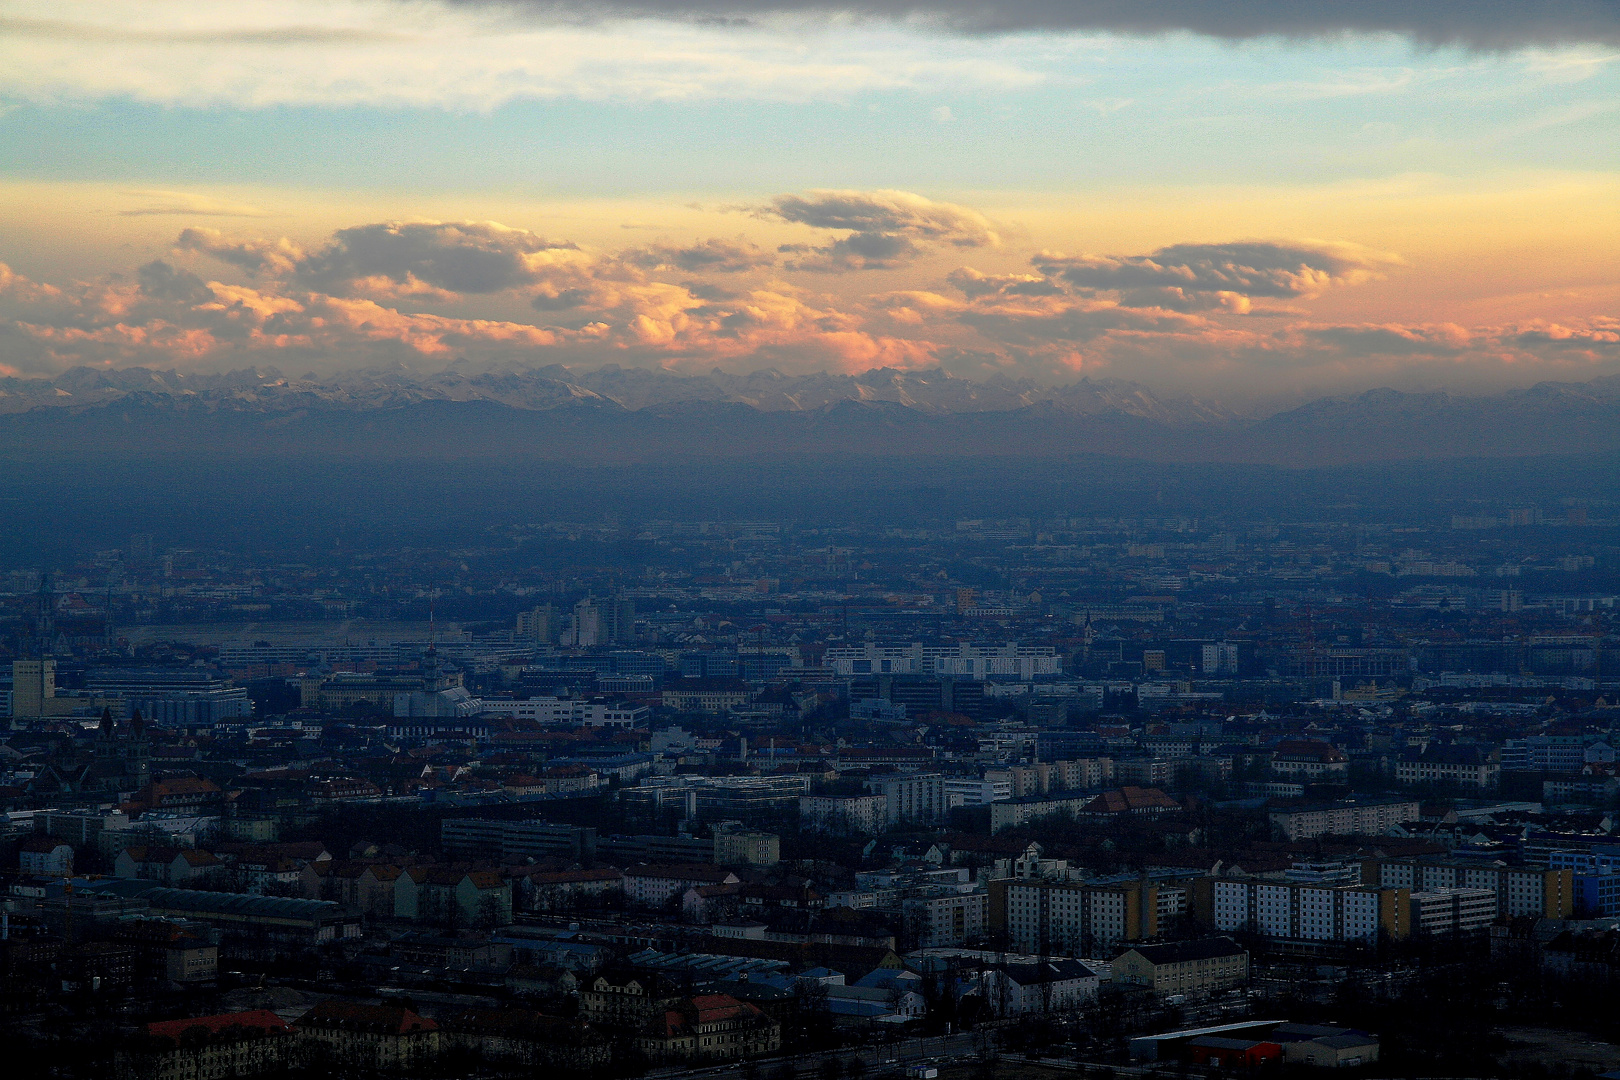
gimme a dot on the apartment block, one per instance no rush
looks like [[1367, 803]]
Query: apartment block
[[1441, 912], [862, 815], [1295, 911], [1347, 817], [911, 798], [1058, 918], [1519, 890]]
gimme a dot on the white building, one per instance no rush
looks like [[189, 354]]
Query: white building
[[1043, 986], [652, 886], [571, 711], [967, 791], [856, 815], [911, 798], [1452, 911], [947, 916], [1297, 911], [963, 661]]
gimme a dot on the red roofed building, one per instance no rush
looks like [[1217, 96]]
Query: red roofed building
[[382, 1037], [253, 1043], [710, 1027], [1129, 800]]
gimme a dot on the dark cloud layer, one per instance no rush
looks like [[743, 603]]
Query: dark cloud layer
[[1480, 24]]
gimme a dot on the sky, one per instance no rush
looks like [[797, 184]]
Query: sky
[[1257, 202]]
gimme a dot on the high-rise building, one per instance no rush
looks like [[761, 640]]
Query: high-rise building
[[33, 683]]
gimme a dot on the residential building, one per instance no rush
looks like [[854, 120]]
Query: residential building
[[1038, 987], [1361, 816], [1519, 890], [843, 815], [747, 848], [1180, 967], [1060, 918], [1295, 911], [1444, 912], [710, 1027], [911, 798], [384, 1038], [239, 1044], [1466, 766], [653, 887]]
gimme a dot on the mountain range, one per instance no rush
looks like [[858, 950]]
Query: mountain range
[[621, 415]]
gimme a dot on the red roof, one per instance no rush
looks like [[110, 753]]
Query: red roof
[[378, 1019], [261, 1019]]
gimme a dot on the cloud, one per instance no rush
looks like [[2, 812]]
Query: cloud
[[402, 258], [274, 257], [188, 204], [1479, 24], [443, 54], [458, 257], [705, 256], [887, 229], [501, 297], [1196, 277]]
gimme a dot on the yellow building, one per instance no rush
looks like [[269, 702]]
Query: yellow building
[[1178, 967]]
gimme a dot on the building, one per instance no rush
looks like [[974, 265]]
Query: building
[[170, 951], [1296, 911], [964, 661], [1447, 912], [945, 916], [514, 841], [453, 898], [1232, 1053], [747, 848], [1060, 918], [41, 856], [911, 798], [1181, 967], [1346, 817], [626, 1001], [969, 791], [1334, 1049], [239, 1044], [1519, 890], [848, 815], [710, 1027], [713, 696], [570, 712], [268, 926], [1136, 801], [384, 1038], [653, 887], [524, 1039], [1040, 986], [1011, 813], [1465, 766], [1310, 760]]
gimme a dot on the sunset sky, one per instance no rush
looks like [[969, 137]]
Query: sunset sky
[[1258, 202]]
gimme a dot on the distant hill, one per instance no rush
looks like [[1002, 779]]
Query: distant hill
[[622, 416]]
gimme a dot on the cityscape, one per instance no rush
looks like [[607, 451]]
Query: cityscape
[[649, 797], [810, 540]]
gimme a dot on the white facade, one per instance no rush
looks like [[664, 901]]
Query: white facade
[[911, 798], [966, 791], [1453, 911], [963, 661], [550, 710], [1518, 890], [1296, 911], [863, 815], [948, 916]]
